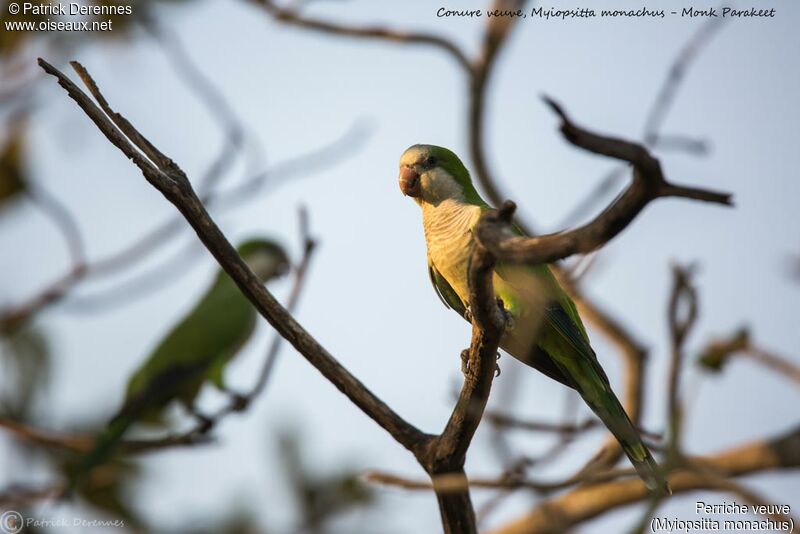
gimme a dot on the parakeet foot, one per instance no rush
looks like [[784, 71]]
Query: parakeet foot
[[507, 317], [497, 366], [468, 314]]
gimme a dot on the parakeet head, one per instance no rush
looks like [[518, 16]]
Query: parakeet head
[[431, 174], [266, 258]]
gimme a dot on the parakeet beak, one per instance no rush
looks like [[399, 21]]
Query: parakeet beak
[[410, 182]]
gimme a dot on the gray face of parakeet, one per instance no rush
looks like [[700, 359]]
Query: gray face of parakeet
[[265, 258], [432, 174]]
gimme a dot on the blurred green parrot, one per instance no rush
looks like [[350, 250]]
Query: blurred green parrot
[[544, 329], [196, 350]]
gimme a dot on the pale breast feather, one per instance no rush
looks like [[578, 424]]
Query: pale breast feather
[[448, 234]]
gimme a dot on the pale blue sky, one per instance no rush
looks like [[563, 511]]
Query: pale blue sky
[[296, 91]]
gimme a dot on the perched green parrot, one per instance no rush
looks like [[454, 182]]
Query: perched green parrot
[[544, 329], [196, 350]]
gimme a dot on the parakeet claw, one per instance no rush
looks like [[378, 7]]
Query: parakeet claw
[[496, 370], [464, 361]]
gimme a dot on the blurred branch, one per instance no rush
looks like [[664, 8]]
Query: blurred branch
[[511, 482], [682, 316], [83, 442], [64, 222], [584, 503], [293, 17], [300, 270], [648, 184], [439, 455], [566, 429], [681, 143], [779, 364], [675, 76], [497, 31], [719, 351], [214, 101], [143, 247], [219, 202]]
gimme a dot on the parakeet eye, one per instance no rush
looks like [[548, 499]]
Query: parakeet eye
[[430, 162]]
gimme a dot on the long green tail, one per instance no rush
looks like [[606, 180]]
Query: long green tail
[[569, 349], [104, 446], [613, 415]]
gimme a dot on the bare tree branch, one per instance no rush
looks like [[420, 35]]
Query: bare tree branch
[[648, 184], [719, 351]]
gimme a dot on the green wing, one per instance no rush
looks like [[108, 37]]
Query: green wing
[[216, 328], [560, 317], [444, 291]]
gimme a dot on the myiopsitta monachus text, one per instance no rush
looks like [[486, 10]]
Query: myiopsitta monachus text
[[194, 352], [544, 329]]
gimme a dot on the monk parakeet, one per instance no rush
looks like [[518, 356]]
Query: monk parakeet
[[544, 329], [196, 350]]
